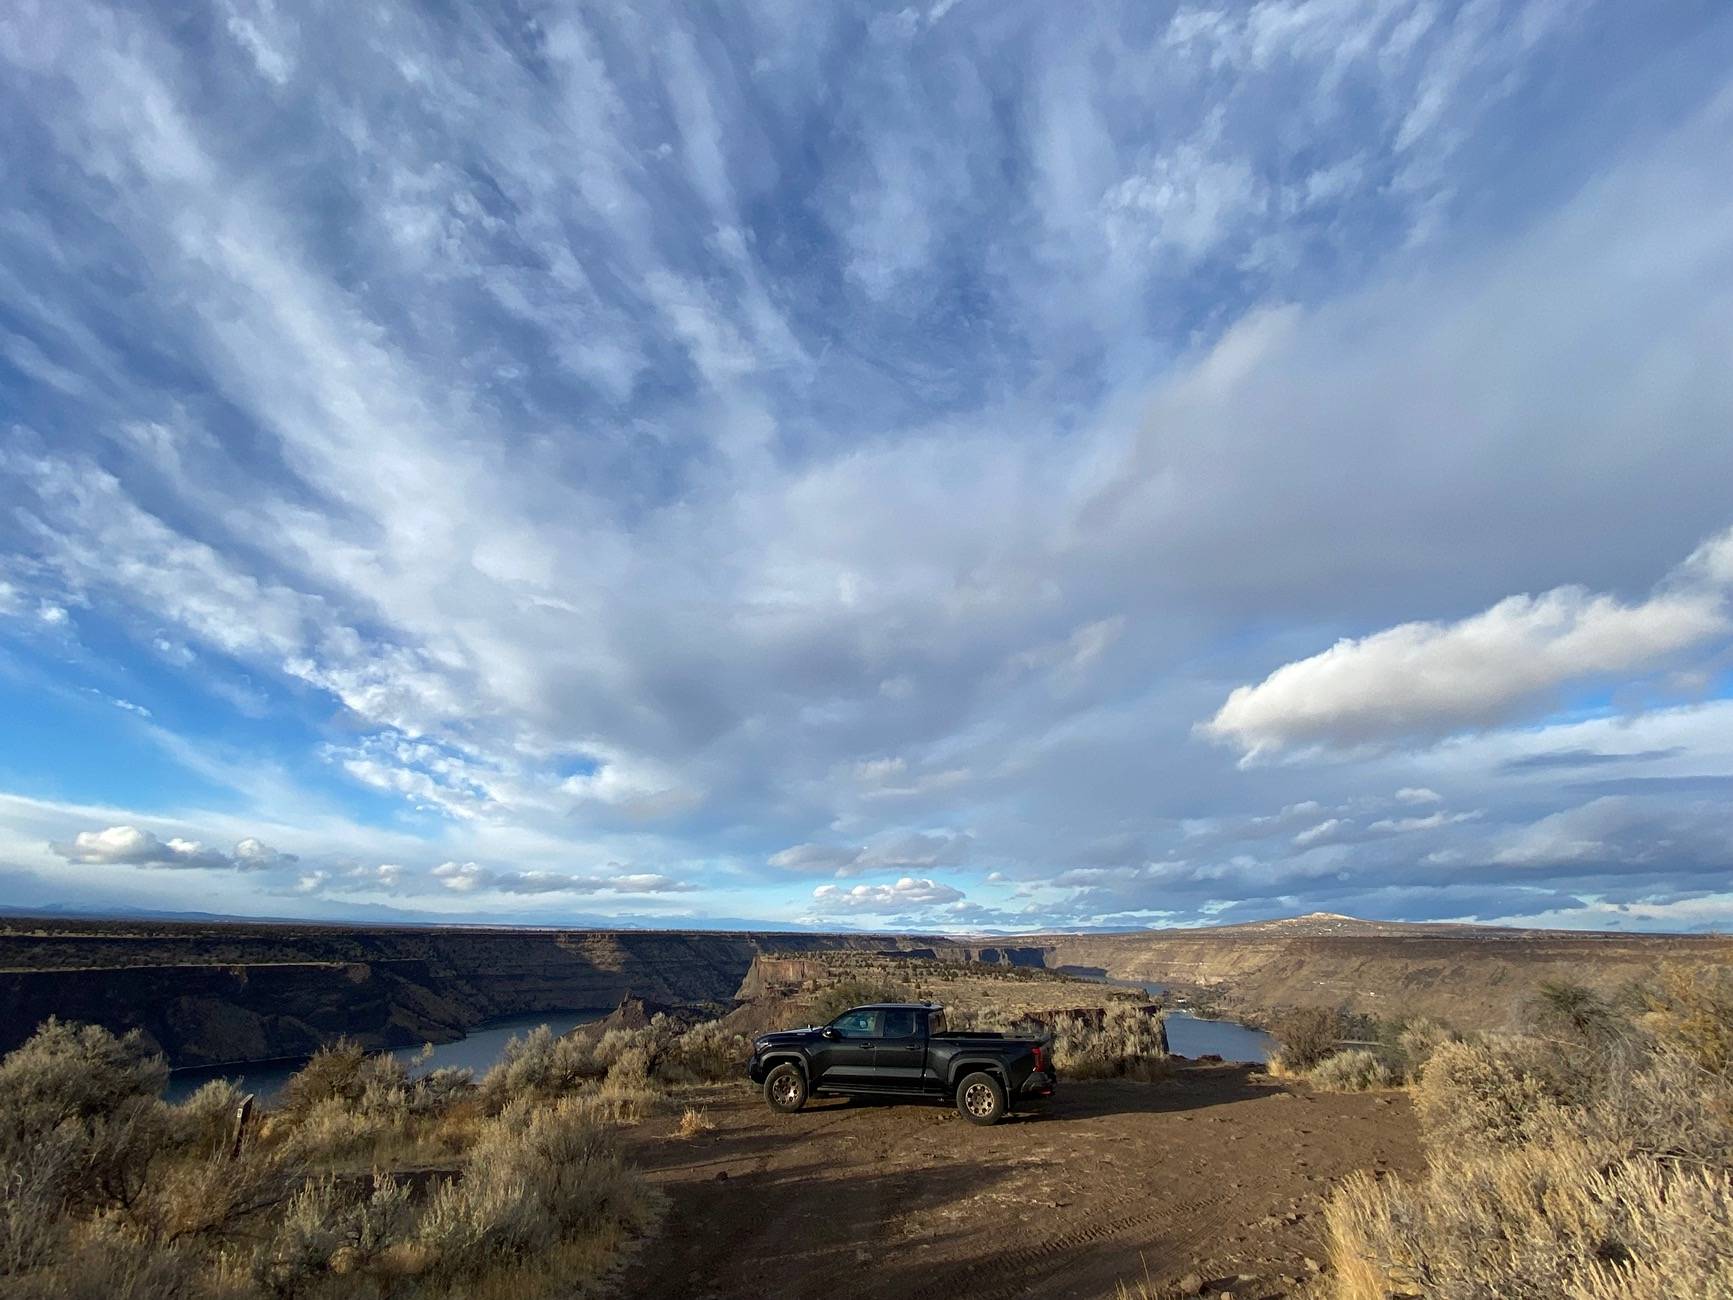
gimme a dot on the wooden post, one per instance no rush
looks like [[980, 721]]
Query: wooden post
[[243, 1114]]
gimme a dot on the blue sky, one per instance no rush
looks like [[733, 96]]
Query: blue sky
[[963, 466]]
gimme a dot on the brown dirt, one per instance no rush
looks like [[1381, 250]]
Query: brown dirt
[[1218, 1171]]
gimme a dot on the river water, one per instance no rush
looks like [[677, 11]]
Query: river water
[[1189, 1035], [478, 1051]]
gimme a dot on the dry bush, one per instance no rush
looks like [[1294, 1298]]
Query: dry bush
[[533, 1178], [1129, 1041], [693, 1122], [204, 1123], [1593, 1166], [1485, 1094], [1355, 1070], [67, 1071], [211, 1196], [333, 1229], [1562, 1010], [540, 1064], [80, 1106], [1417, 1040], [1307, 1035], [102, 1262], [709, 1053], [334, 1073], [1690, 1010], [1538, 1221]]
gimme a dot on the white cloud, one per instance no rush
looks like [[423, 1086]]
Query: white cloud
[[912, 849], [133, 847], [1418, 794], [1425, 680], [907, 895], [470, 877]]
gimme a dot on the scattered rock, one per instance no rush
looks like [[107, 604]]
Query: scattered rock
[[1312, 1265], [721, 1175], [1190, 1284]]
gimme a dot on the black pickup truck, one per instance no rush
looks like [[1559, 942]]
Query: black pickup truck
[[901, 1049]]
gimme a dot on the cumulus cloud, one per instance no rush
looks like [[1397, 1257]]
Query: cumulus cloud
[[130, 846], [907, 895], [470, 877], [913, 849], [1426, 680]]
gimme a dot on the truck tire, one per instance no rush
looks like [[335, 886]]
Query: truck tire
[[981, 1098], [785, 1089]]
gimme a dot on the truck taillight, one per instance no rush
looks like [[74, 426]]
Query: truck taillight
[[1040, 1058]]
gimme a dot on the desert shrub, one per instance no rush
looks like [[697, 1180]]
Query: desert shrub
[[31, 1200], [1541, 1221], [1306, 1036], [1483, 1095], [831, 1002], [1416, 1041], [1690, 1010], [708, 1053], [539, 1064], [74, 1072], [534, 1176], [1561, 1010], [104, 1262], [77, 1101], [438, 1089], [1594, 1164], [211, 1196], [1352, 1071], [205, 1122], [1127, 1041], [333, 1228], [333, 1073]]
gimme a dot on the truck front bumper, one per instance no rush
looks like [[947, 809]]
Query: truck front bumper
[[755, 1070]]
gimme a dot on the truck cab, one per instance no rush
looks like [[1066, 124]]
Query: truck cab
[[902, 1049]]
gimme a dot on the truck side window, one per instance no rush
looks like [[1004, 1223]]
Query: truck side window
[[899, 1024], [857, 1024]]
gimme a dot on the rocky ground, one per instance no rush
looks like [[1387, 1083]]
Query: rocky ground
[[1209, 1181]]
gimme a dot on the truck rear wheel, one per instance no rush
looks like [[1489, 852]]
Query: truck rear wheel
[[785, 1089], [981, 1099]]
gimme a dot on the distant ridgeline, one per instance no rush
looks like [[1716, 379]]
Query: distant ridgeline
[[215, 993], [219, 992]]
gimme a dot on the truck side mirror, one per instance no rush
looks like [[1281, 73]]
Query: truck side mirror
[[827, 1032]]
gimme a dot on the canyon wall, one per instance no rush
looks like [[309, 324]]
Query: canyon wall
[[1472, 977], [219, 993]]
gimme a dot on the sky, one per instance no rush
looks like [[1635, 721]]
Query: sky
[[964, 467]]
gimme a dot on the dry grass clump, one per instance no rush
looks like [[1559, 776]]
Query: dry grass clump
[[1355, 1070], [1129, 1042], [1593, 1163], [110, 1194], [693, 1122], [1125, 1040]]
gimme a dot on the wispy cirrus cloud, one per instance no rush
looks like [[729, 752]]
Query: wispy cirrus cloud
[[836, 442]]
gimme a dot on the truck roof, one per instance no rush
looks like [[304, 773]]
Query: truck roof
[[897, 1006]]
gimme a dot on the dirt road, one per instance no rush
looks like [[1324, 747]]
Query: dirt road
[[1218, 1171]]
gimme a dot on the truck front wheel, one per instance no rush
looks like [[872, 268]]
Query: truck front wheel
[[785, 1088], [981, 1099]]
